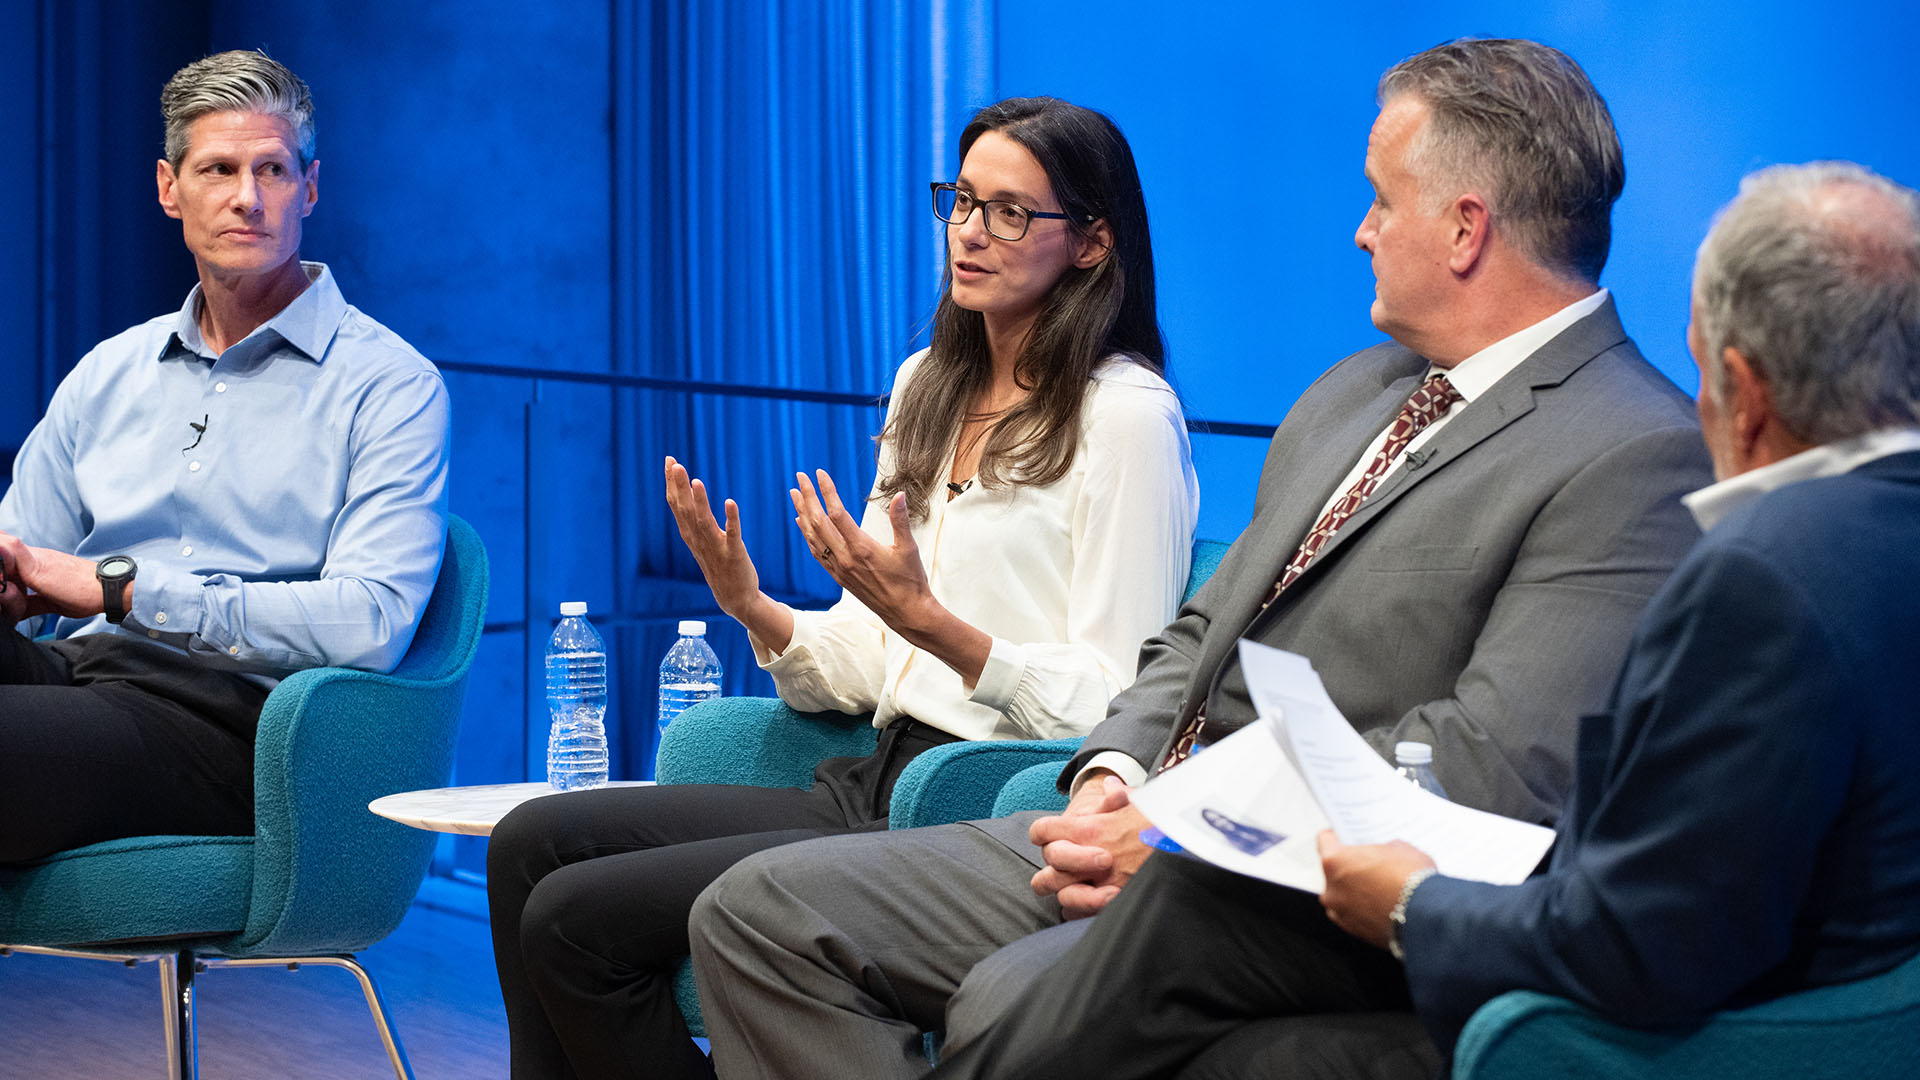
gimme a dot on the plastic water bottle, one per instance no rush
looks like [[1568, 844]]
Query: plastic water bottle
[[577, 699], [1415, 761], [690, 673]]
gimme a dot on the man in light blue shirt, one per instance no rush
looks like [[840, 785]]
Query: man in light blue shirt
[[217, 498]]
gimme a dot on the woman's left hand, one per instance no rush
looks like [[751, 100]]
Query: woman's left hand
[[889, 580]]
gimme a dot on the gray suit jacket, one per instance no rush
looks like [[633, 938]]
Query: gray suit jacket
[[1479, 601]]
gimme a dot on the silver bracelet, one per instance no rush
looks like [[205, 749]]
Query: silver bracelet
[[1397, 918]]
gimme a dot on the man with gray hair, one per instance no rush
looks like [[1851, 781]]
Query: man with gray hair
[[1458, 528], [219, 497], [1771, 672]]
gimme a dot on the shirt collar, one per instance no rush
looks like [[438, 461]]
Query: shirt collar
[[1477, 373], [1711, 504], [307, 323]]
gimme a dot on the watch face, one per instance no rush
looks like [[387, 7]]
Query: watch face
[[114, 566]]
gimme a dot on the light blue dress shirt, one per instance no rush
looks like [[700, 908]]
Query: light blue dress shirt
[[303, 528]]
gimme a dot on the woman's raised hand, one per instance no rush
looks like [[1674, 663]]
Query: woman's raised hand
[[721, 553], [890, 580]]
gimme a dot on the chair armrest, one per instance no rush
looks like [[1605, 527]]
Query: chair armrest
[[330, 741], [1036, 787], [1864, 1029], [756, 741], [960, 781]]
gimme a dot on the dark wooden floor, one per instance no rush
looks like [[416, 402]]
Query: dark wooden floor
[[65, 1019]]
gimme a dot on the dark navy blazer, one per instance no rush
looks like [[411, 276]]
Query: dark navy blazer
[[1745, 819]]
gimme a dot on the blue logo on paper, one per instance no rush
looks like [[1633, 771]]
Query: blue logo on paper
[[1247, 838]]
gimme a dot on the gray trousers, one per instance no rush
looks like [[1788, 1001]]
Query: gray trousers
[[829, 958], [1194, 971]]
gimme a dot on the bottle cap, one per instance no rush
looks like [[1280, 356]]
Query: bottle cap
[[1413, 753], [693, 628], [573, 607]]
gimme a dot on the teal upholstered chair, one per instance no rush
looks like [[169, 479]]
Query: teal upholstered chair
[[321, 877], [762, 741], [1865, 1030], [1009, 783]]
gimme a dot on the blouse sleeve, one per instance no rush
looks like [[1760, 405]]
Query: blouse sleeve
[[838, 657], [1132, 545]]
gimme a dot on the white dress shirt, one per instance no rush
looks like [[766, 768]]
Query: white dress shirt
[[1715, 501], [1068, 579]]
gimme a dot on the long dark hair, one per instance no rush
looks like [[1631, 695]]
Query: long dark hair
[[1088, 315]]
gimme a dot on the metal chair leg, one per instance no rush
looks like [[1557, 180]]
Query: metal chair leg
[[376, 1005], [177, 972], [176, 998], [176, 1001]]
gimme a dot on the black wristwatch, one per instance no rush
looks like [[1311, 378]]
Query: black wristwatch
[[114, 572]]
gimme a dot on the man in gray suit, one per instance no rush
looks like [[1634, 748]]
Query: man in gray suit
[[1459, 529]]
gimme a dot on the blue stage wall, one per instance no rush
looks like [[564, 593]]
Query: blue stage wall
[[20, 231], [1250, 122], [733, 193]]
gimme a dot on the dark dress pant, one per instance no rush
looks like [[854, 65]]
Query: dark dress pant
[[107, 736], [589, 894], [1329, 1046], [1168, 978]]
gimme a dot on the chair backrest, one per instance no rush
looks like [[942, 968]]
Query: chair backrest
[[443, 647], [1863, 1030], [1206, 559], [329, 876]]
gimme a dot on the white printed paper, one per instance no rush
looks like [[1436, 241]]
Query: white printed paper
[[1253, 802], [1240, 804]]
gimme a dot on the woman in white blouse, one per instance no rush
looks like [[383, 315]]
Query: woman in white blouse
[[1030, 526]]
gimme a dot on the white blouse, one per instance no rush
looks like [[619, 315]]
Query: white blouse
[[1068, 579]]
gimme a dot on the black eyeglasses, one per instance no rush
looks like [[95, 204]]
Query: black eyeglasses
[[1007, 221]]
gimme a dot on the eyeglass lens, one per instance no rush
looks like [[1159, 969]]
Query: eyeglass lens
[[1004, 219]]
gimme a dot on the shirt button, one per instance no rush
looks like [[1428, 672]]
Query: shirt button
[[219, 388], [233, 650], [193, 466], [161, 618], [153, 633], [188, 550]]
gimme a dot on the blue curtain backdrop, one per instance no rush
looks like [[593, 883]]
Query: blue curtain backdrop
[[777, 234], [79, 185]]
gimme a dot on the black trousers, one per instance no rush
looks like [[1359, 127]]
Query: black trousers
[[589, 894], [106, 736], [1194, 972], [1328, 1046]]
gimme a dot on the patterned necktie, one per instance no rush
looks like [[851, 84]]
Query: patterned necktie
[[1427, 404]]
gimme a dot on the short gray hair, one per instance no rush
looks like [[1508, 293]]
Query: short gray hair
[[1518, 123], [1813, 273], [237, 81]]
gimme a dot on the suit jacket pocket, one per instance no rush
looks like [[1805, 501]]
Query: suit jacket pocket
[[1400, 559]]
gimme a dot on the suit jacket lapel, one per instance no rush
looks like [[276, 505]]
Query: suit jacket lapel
[[1326, 464], [1326, 458], [1508, 400]]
